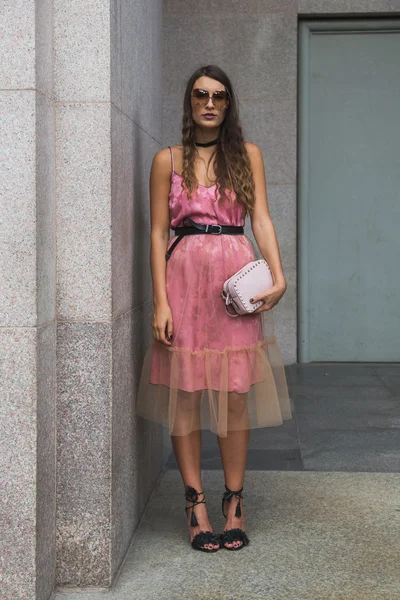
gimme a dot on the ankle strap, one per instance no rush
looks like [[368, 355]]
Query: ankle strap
[[192, 495], [228, 495]]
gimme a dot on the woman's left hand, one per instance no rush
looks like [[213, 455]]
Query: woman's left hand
[[270, 297]]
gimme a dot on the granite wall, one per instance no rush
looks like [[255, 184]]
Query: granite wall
[[107, 68], [27, 302], [80, 123]]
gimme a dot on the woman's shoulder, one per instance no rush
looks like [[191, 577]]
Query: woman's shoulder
[[252, 148], [164, 152], [255, 155], [162, 162], [164, 155], [162, 158], [167, 149]]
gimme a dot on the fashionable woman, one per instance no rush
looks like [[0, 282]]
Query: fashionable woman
[[205, 369]]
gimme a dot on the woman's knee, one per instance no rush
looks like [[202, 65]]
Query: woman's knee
[[237, 403]]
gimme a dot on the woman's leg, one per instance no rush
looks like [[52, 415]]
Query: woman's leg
[[187, 449], [233, 450]]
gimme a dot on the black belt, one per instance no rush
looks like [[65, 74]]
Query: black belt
[[201, 228]]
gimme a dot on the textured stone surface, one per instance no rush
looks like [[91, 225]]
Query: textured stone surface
[[108, 462], [18, 209], [44, 47], [272, 126], [46, 460], [137, 445], [139, 448], [347, 416], [313, 536], [115, 55], [83, 453], [45, 211], [83, 187], [17, 45], [27, 234], [27, 460], [27, 302], [132, 153], [349, 6], [18, 423], [82, 50], [233, 7], [142, 91], [262, 63]]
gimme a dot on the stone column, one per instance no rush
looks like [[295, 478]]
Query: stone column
[[107, 68], [27, 302], [77, 467]]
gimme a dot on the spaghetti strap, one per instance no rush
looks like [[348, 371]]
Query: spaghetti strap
[[172, 158]]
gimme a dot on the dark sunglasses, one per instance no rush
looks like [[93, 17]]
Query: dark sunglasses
[[200, 97]]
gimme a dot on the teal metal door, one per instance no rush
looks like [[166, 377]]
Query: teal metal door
[[349, 191]]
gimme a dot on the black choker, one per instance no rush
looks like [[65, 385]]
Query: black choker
[[204, 145]]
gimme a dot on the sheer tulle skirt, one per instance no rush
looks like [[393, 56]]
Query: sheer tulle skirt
[[220, 373]]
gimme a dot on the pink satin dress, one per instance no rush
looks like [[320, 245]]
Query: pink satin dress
[[221, 373]]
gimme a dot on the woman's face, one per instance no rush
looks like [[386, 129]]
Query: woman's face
[[199, 112]]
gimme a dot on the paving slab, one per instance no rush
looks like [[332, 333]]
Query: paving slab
[[314, 536]]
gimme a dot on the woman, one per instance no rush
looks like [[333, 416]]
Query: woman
[[205, 369]]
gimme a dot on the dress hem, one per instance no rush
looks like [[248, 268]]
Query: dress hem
[[255, 346]]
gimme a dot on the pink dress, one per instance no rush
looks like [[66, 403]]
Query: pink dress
[[220, 373]]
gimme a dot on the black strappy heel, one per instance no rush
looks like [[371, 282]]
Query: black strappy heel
[[236, 534], [204, 537]]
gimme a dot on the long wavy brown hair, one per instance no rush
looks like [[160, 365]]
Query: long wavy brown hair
[[232, 165]]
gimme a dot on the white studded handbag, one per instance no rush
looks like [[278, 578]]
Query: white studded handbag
[[251, 280]]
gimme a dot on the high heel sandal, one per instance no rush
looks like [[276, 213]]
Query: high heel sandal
[[236, 534], [204, 537]]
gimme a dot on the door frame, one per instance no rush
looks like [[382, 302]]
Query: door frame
[[307, 28]]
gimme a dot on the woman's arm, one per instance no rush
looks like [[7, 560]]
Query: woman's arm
[[160, 174], [263, 227]]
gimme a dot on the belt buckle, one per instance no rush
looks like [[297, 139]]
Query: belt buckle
[[216, 232]]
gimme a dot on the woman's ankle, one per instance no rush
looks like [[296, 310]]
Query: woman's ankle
[[234, 511], [200, 512]]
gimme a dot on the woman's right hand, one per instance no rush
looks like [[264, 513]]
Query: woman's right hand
[[162, 324]]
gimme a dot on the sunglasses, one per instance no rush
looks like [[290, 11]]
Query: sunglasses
[[200, 97]]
